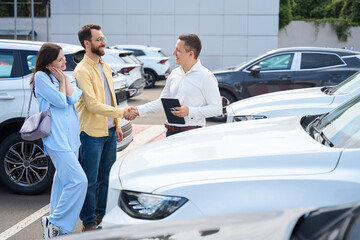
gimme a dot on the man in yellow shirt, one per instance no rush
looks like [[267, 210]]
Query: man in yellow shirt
[[99, 124]]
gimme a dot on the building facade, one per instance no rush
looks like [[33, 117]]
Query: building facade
[[232, 31]]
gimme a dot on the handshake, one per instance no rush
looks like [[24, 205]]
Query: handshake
[[130, 113]]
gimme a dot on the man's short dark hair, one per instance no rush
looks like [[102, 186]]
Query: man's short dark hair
[[192, 43], [85, 32]]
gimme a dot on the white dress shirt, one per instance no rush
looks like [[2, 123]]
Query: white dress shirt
[[198, 89]]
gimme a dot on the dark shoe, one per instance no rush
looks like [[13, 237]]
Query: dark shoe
[[88, 228], [98, 220]]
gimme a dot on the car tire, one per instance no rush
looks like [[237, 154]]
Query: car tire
[[226, 99], [150, 79], [24, 168]]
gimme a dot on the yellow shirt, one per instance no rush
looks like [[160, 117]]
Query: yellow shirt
[[91, 108]]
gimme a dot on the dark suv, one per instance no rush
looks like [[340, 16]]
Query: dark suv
[[284, 69], [24, 168]]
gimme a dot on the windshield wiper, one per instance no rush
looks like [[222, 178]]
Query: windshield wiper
[[316, 122], [321, 137], [328, 90]]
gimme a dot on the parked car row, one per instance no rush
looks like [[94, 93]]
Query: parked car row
[[308, 101], [285, 69], [24, 168], [156, 63]]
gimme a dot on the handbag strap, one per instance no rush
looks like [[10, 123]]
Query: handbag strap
[[31, 94]]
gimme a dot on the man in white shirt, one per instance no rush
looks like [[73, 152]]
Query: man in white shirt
[[193, 84]]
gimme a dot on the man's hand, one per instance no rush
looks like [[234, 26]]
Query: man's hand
[[130, 113], [181, 111], [119, 135]]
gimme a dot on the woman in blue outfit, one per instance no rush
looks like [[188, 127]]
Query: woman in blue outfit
[[55, 89]]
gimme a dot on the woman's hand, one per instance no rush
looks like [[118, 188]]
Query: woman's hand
[[58, 74]]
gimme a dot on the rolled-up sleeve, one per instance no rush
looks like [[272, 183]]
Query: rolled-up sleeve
[[89, 98], [48, 90]]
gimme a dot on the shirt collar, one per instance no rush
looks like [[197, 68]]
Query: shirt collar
[[91, 62], [194, 68]]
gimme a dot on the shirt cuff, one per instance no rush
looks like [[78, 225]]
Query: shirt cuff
[[192, 112], [141, 111]]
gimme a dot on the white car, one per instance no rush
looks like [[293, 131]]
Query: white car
[[262, 165], [121, 62], [307, 101], [156, 63], [24, 168]]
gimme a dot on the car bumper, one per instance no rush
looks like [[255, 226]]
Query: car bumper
[[165, 76], [136, 88]]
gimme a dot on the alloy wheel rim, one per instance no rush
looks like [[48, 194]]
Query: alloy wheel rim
[[149, 79], [26, 164]]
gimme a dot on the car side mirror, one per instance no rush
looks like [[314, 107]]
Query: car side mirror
[[254, 70]]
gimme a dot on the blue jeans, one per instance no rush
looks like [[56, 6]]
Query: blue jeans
[[98, 154]]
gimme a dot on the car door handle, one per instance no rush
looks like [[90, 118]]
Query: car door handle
[[336, 76], [6, 97], [285, 77]]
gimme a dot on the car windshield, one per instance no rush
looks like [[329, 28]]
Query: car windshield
[[348, 86], [341, 127]]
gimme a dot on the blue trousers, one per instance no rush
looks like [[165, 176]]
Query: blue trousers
[[98, 154], [68, 190]]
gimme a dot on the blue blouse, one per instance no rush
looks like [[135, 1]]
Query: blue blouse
[[64, 135]]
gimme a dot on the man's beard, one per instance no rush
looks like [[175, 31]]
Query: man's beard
[[97, 51]]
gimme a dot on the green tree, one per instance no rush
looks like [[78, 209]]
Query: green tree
[[284, 13]]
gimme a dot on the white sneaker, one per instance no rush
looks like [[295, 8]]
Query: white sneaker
[[50, 230]]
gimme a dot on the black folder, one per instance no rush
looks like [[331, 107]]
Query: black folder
[[168, 104]]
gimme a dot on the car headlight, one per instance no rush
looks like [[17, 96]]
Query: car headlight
[[149, 206], [247, 117]]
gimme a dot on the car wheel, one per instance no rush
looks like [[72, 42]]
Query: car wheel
[[24, 168], [150, 79], [226, 99]]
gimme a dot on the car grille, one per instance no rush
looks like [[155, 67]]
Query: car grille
[[120, 96]]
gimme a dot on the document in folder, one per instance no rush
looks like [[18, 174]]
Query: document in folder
[[168, 104]]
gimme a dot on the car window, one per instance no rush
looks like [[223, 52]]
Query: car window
[[71, 61], [162, 54], [28, 59], [6, 64], [137, 61], [341, 126], [126, 58], [136, 52], [278, 62], [319, 60], [348, 86]]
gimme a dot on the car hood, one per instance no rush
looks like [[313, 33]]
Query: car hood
[[268, 147], [305, 98]]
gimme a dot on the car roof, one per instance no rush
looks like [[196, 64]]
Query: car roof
[[339, 51], [118, 51], [35, 45], [142, 47]]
